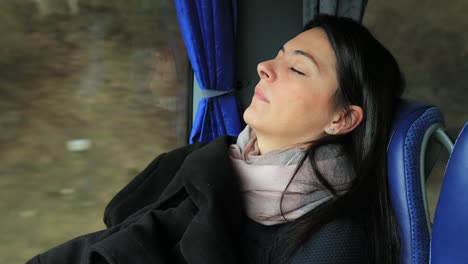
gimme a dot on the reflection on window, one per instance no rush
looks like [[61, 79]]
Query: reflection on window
[[91, 91]]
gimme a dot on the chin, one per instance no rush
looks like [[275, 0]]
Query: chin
[[249, 115], [246, 116], [251, 118]]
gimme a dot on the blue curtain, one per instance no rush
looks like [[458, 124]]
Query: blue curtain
[[208, 29]]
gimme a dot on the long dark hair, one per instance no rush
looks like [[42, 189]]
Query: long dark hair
[[369, 77]]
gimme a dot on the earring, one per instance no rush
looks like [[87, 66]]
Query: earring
[[329, 131]]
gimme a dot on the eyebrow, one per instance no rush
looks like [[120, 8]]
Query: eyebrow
[[305, 54]]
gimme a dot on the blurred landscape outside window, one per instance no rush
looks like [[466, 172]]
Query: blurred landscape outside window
[[91, 91]]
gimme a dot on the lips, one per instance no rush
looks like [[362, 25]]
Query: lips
[[260, 96]]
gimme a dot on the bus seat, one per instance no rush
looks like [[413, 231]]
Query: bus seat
[[450, 229], [416, 137]]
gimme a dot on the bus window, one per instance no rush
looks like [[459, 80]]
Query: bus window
[[92, 90]]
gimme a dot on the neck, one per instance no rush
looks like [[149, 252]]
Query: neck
[[266, 143]]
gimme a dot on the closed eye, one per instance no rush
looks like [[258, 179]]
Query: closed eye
[[296, 71]]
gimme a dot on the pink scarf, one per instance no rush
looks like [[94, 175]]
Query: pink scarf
[[264, 177]]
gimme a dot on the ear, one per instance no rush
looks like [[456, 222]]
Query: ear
[[346, 121]]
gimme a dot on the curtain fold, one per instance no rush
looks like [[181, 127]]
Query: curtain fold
[[353, 9], [208, 29]]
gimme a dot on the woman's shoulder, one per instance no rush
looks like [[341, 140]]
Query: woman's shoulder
[[342, 240]]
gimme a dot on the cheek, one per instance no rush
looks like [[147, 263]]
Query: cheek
[[314, 108]]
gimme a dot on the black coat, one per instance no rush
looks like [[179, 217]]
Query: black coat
[[184, 207]]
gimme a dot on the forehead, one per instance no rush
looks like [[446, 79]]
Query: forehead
[[315, 42]]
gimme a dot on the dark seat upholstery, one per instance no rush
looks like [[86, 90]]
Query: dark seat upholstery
[[341, 241]]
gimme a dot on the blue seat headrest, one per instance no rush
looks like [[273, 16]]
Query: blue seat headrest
[[407, 190], [450, 229]]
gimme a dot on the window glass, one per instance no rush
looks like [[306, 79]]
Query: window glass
[[91, 91]]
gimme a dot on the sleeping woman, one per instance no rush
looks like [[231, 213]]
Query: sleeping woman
[[304, 182]]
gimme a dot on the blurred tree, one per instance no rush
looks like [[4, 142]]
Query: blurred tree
[[14, 18], [39, 35]]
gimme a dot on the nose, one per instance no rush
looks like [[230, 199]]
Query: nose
[[265, 71]]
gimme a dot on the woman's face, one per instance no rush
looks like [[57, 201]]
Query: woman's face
[[294, 99]]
